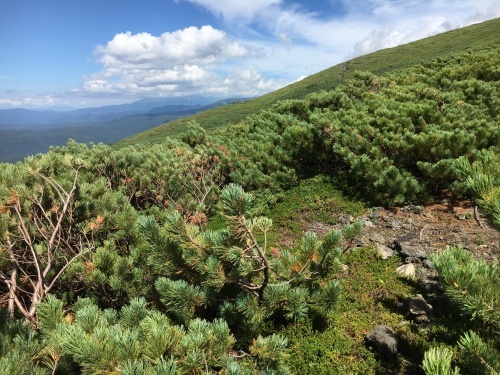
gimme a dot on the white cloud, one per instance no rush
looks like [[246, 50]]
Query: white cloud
[[180, 62], [231, 10], [144, 80], [287, 22], [396, 22], [363, 27], [280, 43], [6, 102], [250, 82], [40, 101], [265, 45], [203, 45], [386, 37], [408, 22]]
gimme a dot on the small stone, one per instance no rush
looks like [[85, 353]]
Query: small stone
[[396, 224], [410, 250], [427, 264], [413, 209], [427, 273], [406, 270], [374, 215], [422, 319], [368, 224], [432, 286], [384, 341], [346, 219], [418, 306], [384, 251], [363, 241], [377, 238], [418, 209], [460, 217], [413, 260]]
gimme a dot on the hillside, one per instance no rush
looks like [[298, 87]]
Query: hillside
[[469, 38], [351, 231]]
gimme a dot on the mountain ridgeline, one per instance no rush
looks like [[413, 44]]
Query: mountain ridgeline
[[469, 38], [229, 242]]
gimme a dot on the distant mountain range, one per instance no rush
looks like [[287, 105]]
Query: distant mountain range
[[26, 132], [34, 118]]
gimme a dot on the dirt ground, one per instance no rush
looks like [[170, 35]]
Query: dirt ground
[[439, 225], [432, 227]]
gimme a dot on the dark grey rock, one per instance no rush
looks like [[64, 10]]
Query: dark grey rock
[[413, 260], [432, 286], [427, 264], [410, 249], [408, 237], [427, 274], [417, 306], [387, 218], [384, 341]]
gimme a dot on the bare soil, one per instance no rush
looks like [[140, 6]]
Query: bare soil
[[433, 227]]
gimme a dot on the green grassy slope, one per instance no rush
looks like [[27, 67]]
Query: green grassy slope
[[380, 62]]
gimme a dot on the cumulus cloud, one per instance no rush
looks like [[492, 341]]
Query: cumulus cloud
[[203, 45], [180, 61], [137, 80]]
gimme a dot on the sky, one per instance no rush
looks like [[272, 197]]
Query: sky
[[68, 53]]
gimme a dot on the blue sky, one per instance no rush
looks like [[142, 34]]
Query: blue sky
[[57, 53]]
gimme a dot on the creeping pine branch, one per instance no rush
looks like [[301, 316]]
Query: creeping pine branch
[[61, 247], [262, 257]]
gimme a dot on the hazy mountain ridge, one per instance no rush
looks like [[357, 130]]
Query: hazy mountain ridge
[[26, 132], [22, 116]]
